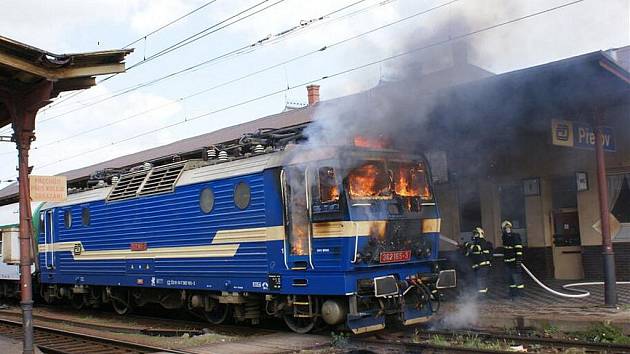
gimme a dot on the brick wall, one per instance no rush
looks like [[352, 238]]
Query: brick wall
[[593, 264]]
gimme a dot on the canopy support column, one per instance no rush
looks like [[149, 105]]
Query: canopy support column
[[23, 109], [610, 285]]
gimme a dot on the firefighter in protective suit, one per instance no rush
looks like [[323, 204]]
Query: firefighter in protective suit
[[512, 257], [480, 252]]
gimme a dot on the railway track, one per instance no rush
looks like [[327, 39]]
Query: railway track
[[56, 341], [153, 326], [401, 342]]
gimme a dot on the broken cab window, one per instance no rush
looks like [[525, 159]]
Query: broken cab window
[[328, 186], [369, 181], [297, 217], [410, 180]]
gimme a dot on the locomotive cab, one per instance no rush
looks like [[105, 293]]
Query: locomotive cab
[[364, 225]]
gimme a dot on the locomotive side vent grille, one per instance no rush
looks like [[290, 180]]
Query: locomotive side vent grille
[[127, 186], [162, 179]]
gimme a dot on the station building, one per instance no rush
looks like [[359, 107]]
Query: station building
[[517, 146]]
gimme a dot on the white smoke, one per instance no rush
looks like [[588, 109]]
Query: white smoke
[[465, 314]]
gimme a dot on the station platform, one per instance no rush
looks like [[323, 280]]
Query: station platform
[[12, 346], [536, 308]]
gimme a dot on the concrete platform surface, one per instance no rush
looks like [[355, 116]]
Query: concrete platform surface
[[537, 308], [12, 346], [265, 344]]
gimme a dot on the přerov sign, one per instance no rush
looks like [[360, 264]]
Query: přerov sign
[[579, 135]]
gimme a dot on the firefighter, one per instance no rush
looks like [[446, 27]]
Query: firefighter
[[512, 257], [480, 253]]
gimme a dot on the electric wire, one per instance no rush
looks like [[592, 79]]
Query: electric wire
[[205, 32], [339, 73], [136, 41], [225, 83], [283, 33], [171, 23], [185, 70]]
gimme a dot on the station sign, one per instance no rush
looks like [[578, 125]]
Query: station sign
[[579, 135], [48, 188]]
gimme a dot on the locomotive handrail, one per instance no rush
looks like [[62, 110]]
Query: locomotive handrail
[[309, 210], [356, 241], [284, 216]]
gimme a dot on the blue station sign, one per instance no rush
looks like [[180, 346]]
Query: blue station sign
[[580, 135]]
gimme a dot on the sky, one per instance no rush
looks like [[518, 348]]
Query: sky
[[78, 130]]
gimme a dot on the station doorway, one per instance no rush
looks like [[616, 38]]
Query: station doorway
[[565, 225]]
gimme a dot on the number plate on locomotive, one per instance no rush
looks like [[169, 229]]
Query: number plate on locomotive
[[396, 256]]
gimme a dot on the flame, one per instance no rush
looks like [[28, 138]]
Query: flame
[[332, 195], [328, 189], [370, 142], [299, 239], [410, 181], [367, 182], [405, 185]]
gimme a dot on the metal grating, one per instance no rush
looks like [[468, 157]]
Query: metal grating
[[127, 186], [162, 179]]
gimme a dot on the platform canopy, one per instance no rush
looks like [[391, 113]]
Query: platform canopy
[[23, 68]]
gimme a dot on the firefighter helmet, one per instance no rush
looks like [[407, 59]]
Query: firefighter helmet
[[505, 224], [478, 232]]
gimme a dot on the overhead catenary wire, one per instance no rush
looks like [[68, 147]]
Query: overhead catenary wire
[[171, 23], [339, 73], [197, 93], [144, 37], [190, 68], [213, 29], [207, 31]]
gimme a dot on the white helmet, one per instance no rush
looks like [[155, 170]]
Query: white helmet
[[505, 224]]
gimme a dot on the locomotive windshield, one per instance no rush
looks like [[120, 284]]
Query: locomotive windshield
[[410, 180], [384, 180], [370, 181]]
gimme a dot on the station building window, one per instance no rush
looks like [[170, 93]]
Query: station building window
[[469, 208], [619, 204], [565, 215], [513, 205], [564, 193]]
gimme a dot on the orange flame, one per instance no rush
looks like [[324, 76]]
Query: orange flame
[[370, 142], [332, 195], [368, 181], [299, 239], [405, 185], [328, 189], [410, 181]]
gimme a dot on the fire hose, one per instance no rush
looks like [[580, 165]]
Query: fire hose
[[571, 287]]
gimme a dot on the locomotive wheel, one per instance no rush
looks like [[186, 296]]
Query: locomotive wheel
[[219, 313], [121, 303], [78, 301], [300, 325]]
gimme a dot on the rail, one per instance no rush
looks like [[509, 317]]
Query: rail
[[422, 342], [54, 340]]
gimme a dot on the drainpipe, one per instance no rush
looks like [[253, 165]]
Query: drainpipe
[[610, 285]]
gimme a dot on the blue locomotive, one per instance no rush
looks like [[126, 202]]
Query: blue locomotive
[[347, 235]]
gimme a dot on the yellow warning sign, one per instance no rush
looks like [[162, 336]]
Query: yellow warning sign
[[48, 188]]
